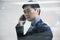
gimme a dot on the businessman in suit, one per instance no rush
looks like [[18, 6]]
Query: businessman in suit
[[38, 29]]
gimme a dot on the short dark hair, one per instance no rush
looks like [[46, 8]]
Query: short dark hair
[[32, 5]]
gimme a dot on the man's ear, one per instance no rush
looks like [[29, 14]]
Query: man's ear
[[37, 9]]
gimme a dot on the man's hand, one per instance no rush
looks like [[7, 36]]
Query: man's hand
[[22, 20]]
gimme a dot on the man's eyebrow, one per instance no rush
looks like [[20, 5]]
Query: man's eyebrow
[[28, 9]]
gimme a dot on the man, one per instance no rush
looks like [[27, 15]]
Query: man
[[38, 30]]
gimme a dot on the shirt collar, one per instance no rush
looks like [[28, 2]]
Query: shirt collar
[[35, 21]]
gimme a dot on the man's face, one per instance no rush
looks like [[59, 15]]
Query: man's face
[[30, 13]]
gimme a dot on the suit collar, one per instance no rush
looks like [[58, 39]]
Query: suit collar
[[37, 20]]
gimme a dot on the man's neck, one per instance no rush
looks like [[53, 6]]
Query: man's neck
[[36, 17], [36, 20]]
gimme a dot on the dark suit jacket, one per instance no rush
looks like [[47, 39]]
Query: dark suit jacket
[[41, 31]]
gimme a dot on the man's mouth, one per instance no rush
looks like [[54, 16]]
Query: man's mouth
[[28, 17]]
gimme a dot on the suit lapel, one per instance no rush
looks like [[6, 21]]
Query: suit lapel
[[34, 28]]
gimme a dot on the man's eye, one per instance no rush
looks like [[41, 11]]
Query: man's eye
[[24, 11]]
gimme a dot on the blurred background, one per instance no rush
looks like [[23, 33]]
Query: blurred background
[[11, 10]]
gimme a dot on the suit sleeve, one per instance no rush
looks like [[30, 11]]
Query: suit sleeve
[[19, 30]]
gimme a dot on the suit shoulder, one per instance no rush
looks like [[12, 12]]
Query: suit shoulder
[[43, 27]]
